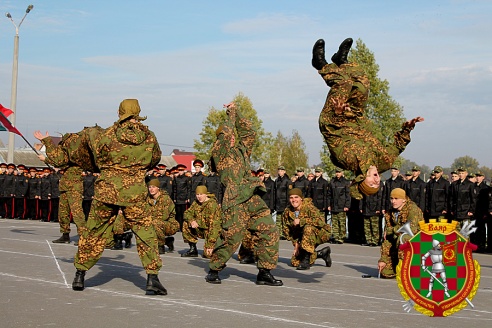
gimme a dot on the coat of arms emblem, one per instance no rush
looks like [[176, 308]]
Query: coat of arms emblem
[[438, 275]]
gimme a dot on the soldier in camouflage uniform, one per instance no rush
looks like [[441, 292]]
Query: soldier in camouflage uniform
[[402, 210], [124, 152], [345, 127], [304, 225], [74, 158], [242, 206], [202, 220], [163, 214]]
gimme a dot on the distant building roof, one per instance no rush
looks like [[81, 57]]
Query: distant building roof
[[182, 152], [22, 156]]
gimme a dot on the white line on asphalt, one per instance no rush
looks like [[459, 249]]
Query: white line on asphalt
[[58, 265]]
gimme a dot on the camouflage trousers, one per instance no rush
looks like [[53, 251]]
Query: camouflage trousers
[[390, 251], [371, 229], [71, 202], [247, 246], [252, 215], [99, 229], [311, 238], [279, 223], [191, 235], [162, 228], [339, 226]]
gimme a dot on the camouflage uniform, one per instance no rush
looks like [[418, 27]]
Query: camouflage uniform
[[242, 206], [123, 153], [208, 217], [390, 253], [163, 216], [311, 232], [71, 155], [349, 134]]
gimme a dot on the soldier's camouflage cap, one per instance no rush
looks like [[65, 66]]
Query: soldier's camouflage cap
[[437, 169], [337, 169], [318, 169], [300, 169], [281, 167], [480, 174], [471, 175], [416, 168], [408, 173], [461, 169]]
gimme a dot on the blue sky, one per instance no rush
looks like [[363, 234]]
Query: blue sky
[[79, 59]]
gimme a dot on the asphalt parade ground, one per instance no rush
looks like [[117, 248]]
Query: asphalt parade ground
[[36, 276]]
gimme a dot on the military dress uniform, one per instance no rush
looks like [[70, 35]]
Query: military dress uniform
[[33, 194], [8, 191], [318, 192], [21, 185], [45, 196], [436, 196], [214, 186]]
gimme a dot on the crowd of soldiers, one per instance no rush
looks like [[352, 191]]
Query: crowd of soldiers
[[33, 193]]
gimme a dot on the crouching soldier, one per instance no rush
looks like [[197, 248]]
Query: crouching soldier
[[202, 220], [163, 215], [305, 226]]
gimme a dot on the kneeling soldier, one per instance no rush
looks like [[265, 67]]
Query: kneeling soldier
[[202, 220], [305, 226]]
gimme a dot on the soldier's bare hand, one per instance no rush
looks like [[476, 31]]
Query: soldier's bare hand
[[339, 105], [193, 224], [41, 157], [381, 266], [411, 123], [38, 135], [208, 251]]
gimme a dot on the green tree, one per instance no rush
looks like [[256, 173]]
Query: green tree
[[467, 162], [286, 151], [217, 117], [381, 107]]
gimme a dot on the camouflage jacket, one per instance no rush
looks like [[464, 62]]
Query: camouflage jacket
[[233, 163], [123, 153], [208, 216], [71, 154], [394, 220], [350, 134], [162, 208], [308, 215]]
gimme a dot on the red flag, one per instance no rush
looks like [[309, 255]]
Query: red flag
[[5, 111], [5, 125]]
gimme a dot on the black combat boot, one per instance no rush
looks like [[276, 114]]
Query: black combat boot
[[213, 277], [64, 239], [162, 249], [305, 257], [340, 57], [154, 286], [192, 252], [319, 60], [264, 277], [118, 242], [78, 281], [127, 238], [324, 254], [248, 259], [169, 242]]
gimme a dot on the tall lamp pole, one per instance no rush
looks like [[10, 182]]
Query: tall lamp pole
[[13, 96]]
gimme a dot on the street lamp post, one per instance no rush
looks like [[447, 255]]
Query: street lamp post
[[13, 96]]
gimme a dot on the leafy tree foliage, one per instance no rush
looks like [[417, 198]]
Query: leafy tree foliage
[[286, 151], [217, 117], [467, 162]]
